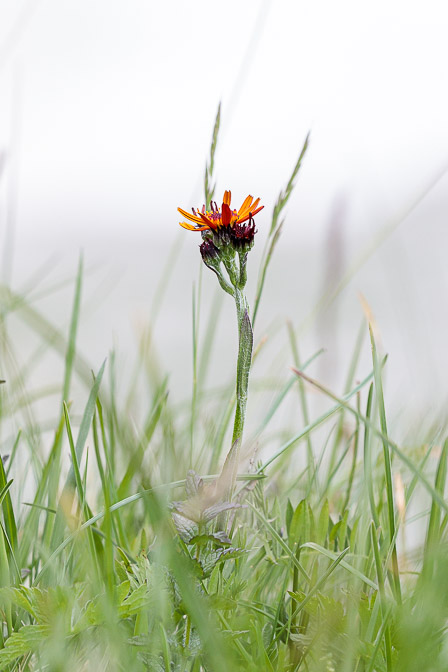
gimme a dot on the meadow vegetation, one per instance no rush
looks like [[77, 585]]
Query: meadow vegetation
[[143, 552]]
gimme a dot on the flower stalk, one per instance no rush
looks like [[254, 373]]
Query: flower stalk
[[228, 236], [245, 347]]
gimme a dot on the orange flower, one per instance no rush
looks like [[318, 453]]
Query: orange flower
[[215, 218]]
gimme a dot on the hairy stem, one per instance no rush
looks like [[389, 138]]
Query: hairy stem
[[245, 345]]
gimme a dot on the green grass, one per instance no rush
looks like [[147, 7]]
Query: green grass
[[119, 551]]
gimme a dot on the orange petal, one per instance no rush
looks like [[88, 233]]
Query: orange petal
[[227, 197], [208, 223], [189, 216], [226, 215], [190, 227], [244, 219], [246, 203], [250, 208]]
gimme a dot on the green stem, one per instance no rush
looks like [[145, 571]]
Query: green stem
[[241, 385], [237, 276], [243, 269], [245, 345], [224, 284]]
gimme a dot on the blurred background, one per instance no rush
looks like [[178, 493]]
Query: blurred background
[[106, 116]]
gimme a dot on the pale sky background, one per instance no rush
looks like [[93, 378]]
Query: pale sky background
[[108, 108], [106, 112]]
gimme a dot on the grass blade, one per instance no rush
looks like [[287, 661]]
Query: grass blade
[[387, 462]]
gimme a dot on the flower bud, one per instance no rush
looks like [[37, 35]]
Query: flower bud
[[209, 252], [212, 257], [242, 235]]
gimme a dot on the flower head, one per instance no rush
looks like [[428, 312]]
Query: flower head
[[224, 218]]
